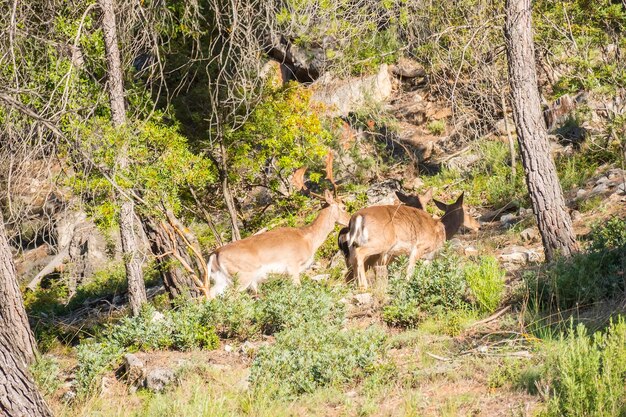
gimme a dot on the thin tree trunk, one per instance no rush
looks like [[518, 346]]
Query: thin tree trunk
[[228, 198], [13, 317], [132, 263], [509, 137], [18, 393], [544, 188]]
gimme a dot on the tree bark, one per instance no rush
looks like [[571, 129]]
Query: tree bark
[[13, 317], [544, 188], [134, 274], [18, 393], [176, 282], [228, 197]]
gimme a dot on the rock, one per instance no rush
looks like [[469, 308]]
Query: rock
[[463, 162], [342, 97], [514, 255], [599, 189], [581, 193], [508, 219], [415, 184], [407, 68], [363, 299], [621, 189], [456, 245], [602, 180], [320, 277], [523, 212], [575, 215], [134, 369], [471, 251], [105, 385], [158, 378], [529, 235], [228, 348]]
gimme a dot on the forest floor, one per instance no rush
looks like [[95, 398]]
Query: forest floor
[[439, 369]]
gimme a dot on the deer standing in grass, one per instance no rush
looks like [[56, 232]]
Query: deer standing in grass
[[393, 230], [417, 201], [285, 250]]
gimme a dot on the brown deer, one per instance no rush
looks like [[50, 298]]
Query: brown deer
[[417, 201], [285, 250], [393, 230]]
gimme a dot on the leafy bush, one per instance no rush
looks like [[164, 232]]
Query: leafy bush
[[585, 277], [46, 371], [436, 127], [316, 355], [94, 359], [434, 288], [285, 306], [586, 374], [486, 283]]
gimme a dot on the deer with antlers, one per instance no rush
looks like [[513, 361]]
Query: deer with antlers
[[285, 250], [391, 230]]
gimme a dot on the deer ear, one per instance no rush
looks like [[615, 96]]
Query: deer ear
[[402, 197], [441, 206], [426, 197], [459, 201], [410, 200]]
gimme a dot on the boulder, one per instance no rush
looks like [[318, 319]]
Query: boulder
[[342, 97], [530, 234], [158, 378], [134, 369], [408, 68], [363, 299]]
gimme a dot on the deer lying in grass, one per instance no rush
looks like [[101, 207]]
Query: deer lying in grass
[[393, 230], [417, 201], [286, 250]]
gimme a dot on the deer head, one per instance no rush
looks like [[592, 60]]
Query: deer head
[[455, 216]]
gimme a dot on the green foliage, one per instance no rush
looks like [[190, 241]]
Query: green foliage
[[316, 355], [585, 277], [434, 288], [358, 36], [46, 372], [94, 359], [283, 128], [586, 373], [284, 306], [436, 127], [446, 288], [486, 283]]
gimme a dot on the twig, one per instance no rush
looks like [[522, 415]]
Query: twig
[[492, 317]]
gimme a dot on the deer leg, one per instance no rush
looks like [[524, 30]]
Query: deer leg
[[360, 263], [413, 256]]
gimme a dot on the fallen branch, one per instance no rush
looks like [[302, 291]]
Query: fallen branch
[[492, 317], [439, 358], [56, 262]]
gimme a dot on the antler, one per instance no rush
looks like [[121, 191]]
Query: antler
[[329, 171], [298, 181]]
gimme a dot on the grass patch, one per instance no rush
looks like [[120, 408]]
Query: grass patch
[[587, 277], [448, 288], [586, 373]]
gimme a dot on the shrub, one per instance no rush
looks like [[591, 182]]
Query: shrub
[[433, 288], [94, 359], [285, 306], [587, 373], [486, 283], [45, 371], [436, 127], [585, 277], [316, 355]]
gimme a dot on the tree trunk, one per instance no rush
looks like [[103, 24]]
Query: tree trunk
[[132, 263], [228, 197], [18, 393], [13, 317], [176, 282], [546, 196]]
